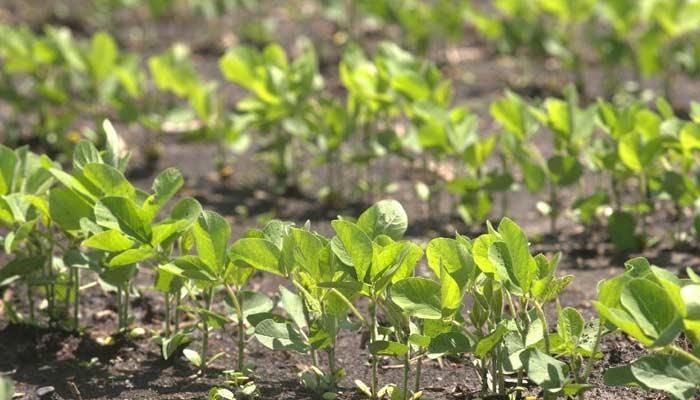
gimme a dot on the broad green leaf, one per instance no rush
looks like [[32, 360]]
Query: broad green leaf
[[294, 305], [132, 256], [356, 244], [190, 267], [255, 303], [691, 298], [211, 236], [570, 325], [546, 371], [109, 180], [395, 261], [417, 297], [674, 375], [623, 321], [650, 306], [480, 249], [386, 217], [524, 266], [279, 336], [165, 186], [306, 251], [621, 229], [260, 254], [387, 348], [110, 241], [122, 214], [449, 343], [66, 208], [20, 267], [102, 56], [490, 341], [85, 153]]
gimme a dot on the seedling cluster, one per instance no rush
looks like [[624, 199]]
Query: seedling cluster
[[483, 299]]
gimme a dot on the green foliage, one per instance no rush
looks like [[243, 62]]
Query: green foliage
[[654, 307]]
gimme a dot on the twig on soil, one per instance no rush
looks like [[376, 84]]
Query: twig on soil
[[74, 389]]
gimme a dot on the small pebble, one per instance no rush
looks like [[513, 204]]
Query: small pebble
[[45, 391]]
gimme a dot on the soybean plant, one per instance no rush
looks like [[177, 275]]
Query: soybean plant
[[655, 307]]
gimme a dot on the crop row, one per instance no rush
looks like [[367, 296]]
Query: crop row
[[485, 297], [398, 109], [655, 39]]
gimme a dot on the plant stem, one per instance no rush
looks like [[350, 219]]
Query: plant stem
[[76, 300], [545, 326], [406, 371], [237, 301], [177, 311], [419, 367], [684, 354], [205, 328], [372, 338], [167, 314]]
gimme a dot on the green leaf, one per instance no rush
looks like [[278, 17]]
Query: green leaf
[[122, 214], [386, 217], [66, 208], [480, 250], [193, 357], [20, 267], [85, 153], [546, 371], [110, 240], [190, 267], [691, 298], [211, 235], [394, 262], [279, 336], [524, 266], [293, 304], [449, 343], [650, 306], [109, 180], [355, 244], [674, 375], [260, 254], [387, 348], [621, 229], [102, 56], [132, 256], [165, 186], [417, 297], [623, 321], [255, 303], [570, 325], [490, 341], [307, 248]]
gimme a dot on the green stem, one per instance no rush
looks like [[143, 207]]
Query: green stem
[[684, 354], [76, 299], [373, 338], [177, 311], [167, 314], [419, 367], [406, 371], [237, 301], [545, 326], [205, 328]]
